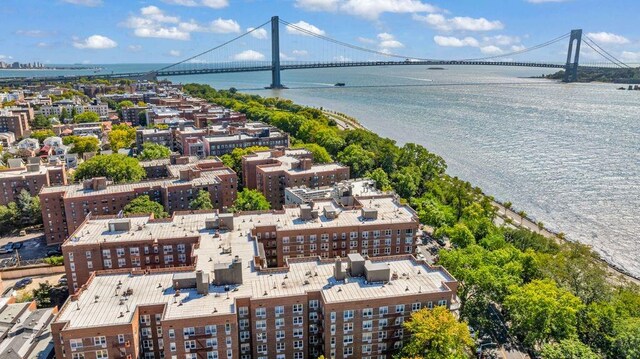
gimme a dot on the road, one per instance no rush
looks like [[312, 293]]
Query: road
[[34, 246]]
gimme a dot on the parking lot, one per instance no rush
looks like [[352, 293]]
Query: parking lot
[[32, 246], [8, 284]]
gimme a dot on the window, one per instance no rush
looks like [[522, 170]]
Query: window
[[134, 251], [146, 332], [297, 309], [145, 319], [244, 335], [189, 344], [172, 334], [297, 321], [367, 325], [261, 312], [98, 341], [415, 307], [107, 263], [102, 354], [382, 323], [75, 344], [279, 334], [280, 346], [121, 338], [212, 343], [348, 314], [262, 348], [210, 330], [106, 253], [243, 311], [400, 308], [348, 339], [212, 355], [243, 323], [399, 320], [313, 304], [347, 327], [279, 310], [279, 322], [261, 324], [189, 331], [298, 345], [77, 356], [442, 302], [383, 311], [120, 252], [333, 317], [298, 333], [367, 312]]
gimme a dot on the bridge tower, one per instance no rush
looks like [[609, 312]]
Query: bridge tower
[[571, 68], [275, 53]]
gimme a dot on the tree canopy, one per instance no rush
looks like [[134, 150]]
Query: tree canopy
[[41, 135], [153, 151], [202, 201], [121, 136], [250, 200], [86, 117], [115, 167], [436, 334], [144, 205], [82, 144]]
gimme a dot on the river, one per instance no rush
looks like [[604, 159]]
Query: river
[[567, 154]]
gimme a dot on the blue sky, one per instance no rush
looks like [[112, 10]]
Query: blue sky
[[130, 31]]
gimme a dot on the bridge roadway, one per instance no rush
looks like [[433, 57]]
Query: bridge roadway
[[296, 66]]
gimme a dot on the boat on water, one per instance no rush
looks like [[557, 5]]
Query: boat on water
[[435, 68], [340, 84]]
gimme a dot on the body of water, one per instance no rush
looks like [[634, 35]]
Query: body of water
[[567, 154]]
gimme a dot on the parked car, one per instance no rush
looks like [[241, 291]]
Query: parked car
[[23, 233], [17, 245], [23, 283], [8, 247], [54, 252], [62, 281]]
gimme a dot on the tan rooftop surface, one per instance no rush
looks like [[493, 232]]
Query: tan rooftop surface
[[77, 190], [99, 305]]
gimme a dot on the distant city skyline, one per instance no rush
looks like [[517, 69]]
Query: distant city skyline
[[164, 31]]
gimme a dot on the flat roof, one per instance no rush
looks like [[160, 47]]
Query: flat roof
[[77, 189], [218, 247]]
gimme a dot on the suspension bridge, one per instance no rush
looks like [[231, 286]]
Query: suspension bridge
[[218, 60]]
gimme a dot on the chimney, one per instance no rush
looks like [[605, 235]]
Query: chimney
[[202, 282], [338, 272], [305, 164]]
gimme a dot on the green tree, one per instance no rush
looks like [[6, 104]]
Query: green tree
[[567, 349], [152, 151], [121, 136], [64, 114], [83, 144], [202, 201], [250, 200], [540, 311], [320, 154], [27, 209], [115, 167], [436, 334], [41, 122], [144, 205], [381, 178], [86, 117], [125, 104], [42, 295], [461, 236], [41, 135], [358, 159], [627, 341], [406, 181]]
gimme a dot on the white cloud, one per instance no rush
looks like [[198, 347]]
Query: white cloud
[[258, 33], [31, 33], [388, 41], [452, 41], [174, 53], [43, 45], [95, 42], [502, 40], [249, 55], [154, 22], [518, 47], [286, 57], [318, 5], [300, 52], [5, 57], [463, 23], [627, 56], [342, 59], [365, 40], [134, 48], [224, 26], [305, 26], [371, 9], [491, 50], [214, 4], [90, 3], [607, 38]]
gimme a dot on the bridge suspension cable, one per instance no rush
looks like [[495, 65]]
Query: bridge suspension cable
[[213, 48], [602, 52], [528, 49], [351, 46]]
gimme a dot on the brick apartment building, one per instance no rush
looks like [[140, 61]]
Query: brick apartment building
[[31, 177], [227, 304], [64, 208], [16, 120], [270, 172]]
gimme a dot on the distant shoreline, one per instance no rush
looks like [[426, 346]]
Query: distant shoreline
[[55, 68]]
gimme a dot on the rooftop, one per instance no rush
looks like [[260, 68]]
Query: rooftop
[[97, 305]]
